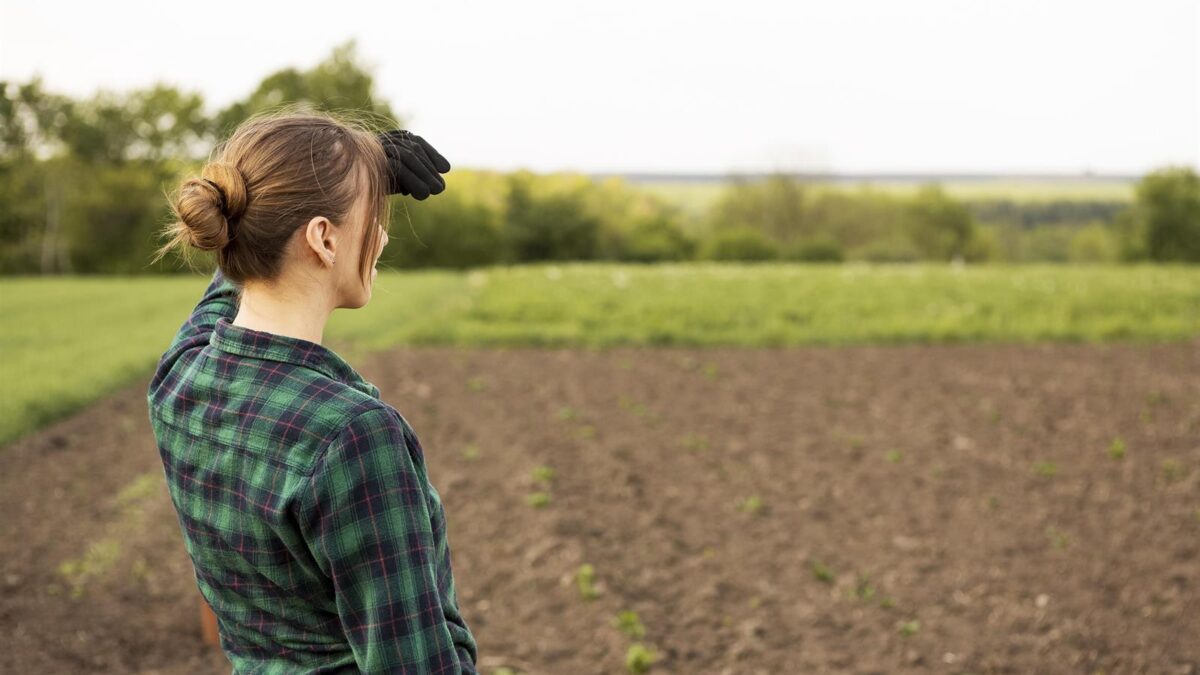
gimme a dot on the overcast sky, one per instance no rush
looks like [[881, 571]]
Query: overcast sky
[[847, 87]]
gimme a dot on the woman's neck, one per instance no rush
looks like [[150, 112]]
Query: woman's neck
[[297, 315]]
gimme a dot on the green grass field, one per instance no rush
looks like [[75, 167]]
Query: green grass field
[[67, 341]]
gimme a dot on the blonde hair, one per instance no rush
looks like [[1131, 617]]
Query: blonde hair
[[276, 171]]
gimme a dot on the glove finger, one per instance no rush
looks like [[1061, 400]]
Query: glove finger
[[439, 162], [418, 167], [416, 186]]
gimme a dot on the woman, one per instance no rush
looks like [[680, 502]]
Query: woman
[[314, 531]]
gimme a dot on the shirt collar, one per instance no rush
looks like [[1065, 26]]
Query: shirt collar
[[234, 339]]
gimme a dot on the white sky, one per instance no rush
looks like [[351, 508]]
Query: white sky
[[619, 85]]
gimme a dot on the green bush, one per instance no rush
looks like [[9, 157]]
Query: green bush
[[445, 232], [814, 250], [739, 243], [656, 238]]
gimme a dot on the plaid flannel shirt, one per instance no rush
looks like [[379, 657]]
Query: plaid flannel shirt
[[313, 529]]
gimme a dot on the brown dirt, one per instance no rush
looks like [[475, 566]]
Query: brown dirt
[[909, 520]]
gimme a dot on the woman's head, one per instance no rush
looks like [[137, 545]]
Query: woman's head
[[289, 193]]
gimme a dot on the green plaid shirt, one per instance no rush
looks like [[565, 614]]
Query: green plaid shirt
[[313, 529]]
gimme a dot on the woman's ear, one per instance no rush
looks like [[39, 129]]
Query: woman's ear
[[321, 237]]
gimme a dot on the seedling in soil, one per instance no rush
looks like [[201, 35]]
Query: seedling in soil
[[628, 623], [97, 561], [887, 603], [625, 364], [752, 505], [1116, 449], [476, 383], [893, 456], [1173, 470], [585, 579], [821, 572], [538, 499], [710, 371], [543, 474], [993, 503], [1058, 539], [639, 658], [587, 431], [693, 442], [567, 413], [504, 671], [471, 451], [863, 590], [1045, 469], [636, 408], [910, 628]]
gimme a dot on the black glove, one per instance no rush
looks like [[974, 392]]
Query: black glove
[[413, 164]]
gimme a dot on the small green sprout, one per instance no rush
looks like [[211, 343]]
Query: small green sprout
[[1173, 470], [543, 474], [753, 505], [1045, 469], [538, 499], [639, 658], [567, 413], [821, 572], [1116, 449], [693, 442], [628, 623], [710, 370], [1058, 539], [893, 456], [585, 579], [476, 383], [470, 451], [910, 628]]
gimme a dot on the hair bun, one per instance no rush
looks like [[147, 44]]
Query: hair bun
[[211, 204]]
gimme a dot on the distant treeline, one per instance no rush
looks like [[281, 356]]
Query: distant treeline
[[83, 190]]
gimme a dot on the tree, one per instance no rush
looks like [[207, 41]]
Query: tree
[[339, 82], [939, 226], [1167, 213]]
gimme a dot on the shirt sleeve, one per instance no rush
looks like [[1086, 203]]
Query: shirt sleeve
[[220, 299], [369, 528]]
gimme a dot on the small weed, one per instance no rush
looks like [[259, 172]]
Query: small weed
[[893, 456], [1058, 539], [628, 623], [863, 590], [98, 560], [639, 658], [694, 442], [887, 603], [993, 503], [585, 579], [586, 431], [504, 671], [538, 499], [567, 413], [476, 383], [625, 364], [910, 628], [470, 451], [1045, 469], [1173, 470], [753, 505], [1116, 449], [821, 572], [543, 474], [710, 370]]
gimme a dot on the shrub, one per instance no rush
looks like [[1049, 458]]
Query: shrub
[[741, 244]]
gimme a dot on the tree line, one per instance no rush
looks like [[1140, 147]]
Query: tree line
[[83, 182]]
